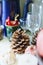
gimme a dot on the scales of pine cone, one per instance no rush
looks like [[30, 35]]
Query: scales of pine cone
[[19, 41], [34, 38], [1, 32]]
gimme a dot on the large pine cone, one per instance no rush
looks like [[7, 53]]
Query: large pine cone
[[19, 41]]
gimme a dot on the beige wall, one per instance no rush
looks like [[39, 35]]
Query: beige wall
[[22, 6]]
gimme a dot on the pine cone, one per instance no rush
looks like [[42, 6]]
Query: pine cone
[[34, 38], [1, 33], [19, 41]]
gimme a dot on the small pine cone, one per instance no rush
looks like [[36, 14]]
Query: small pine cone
[[34, 38]]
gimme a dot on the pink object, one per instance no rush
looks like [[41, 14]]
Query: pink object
[[40, 43], [31, 49], [8, 19]]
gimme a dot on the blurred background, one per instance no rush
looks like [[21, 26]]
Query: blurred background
[[15, 6], [10, 8]]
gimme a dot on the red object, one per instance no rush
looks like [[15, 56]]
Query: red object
[[40, 43], [11, 23], [14, 23], [8, 21]]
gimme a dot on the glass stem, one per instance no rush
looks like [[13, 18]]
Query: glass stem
[[32, 33]]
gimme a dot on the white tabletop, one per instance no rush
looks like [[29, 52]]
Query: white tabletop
[[26, 59], [4, 46]]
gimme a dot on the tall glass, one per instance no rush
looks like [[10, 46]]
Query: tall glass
[[35, 19]]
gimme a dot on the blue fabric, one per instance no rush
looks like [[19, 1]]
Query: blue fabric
[[5, 13], [7, 8], [0, 20]]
